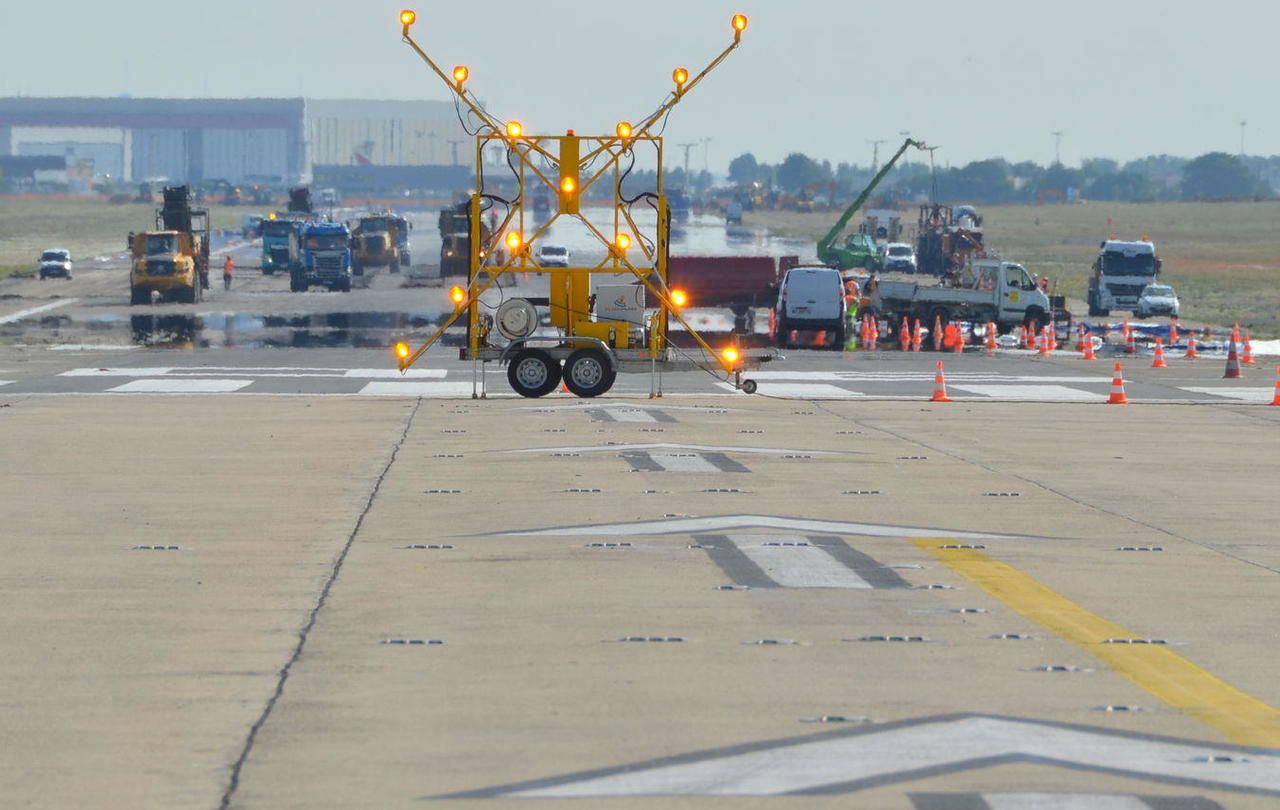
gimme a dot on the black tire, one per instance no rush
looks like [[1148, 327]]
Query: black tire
[[533, 373], [138, 297], [782, 334], [267, 271], [841, 335], [749, 386], [405, 260], [1036, 320], [588, 374], [357, 269], [345, 286]]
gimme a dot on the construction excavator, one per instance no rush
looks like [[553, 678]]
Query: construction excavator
[[858, 249]]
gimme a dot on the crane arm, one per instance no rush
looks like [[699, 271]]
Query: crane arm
[[825, 244]]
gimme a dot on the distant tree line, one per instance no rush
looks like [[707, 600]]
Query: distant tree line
[[1214, 176]]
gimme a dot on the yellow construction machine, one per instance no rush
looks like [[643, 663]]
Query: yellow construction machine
[[171, 261]]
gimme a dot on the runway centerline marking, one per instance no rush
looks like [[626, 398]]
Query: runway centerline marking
[[787, 562], [1168, 676]]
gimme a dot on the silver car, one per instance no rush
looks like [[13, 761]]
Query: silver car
[[1157, 299], [55, 262]]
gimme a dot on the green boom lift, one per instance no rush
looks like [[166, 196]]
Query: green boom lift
[[859, 249]]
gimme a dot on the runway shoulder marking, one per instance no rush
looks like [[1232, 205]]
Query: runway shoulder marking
[[1262, 395], [850, 760], [22, 314], [424, 390], [1168, 676], [683, 462], [180, 386], [1036, 393]]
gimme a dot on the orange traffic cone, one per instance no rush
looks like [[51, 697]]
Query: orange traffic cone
[[1235, 334], [940, 386], [991, 338], [1043, 341], [1088, 348], [937, 333], [917, 337], [904, 335], [1233, 364], [1173, 331], [1130, 341], [1247, 359], [875, 334], [958, 348], [820, 339], [1029, 338], [1080, 338], [1117, 388], [1275, 401], [1191, 347], [1159, 361]]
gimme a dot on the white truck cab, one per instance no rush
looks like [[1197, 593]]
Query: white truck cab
[[1120, 274]]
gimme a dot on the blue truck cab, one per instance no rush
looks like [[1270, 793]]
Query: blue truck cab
[[326, 258], [281, 244]]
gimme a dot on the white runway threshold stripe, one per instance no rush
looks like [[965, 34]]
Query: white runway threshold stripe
[[22, 314], [792, 565], [419, 390], [1262, 395], [265, 372], [1032, 393], [800, 390], [180, 386]]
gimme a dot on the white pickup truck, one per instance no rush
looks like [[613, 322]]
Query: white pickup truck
[[986, 290]]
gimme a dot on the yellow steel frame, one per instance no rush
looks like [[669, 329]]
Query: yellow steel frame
[[559, 152]]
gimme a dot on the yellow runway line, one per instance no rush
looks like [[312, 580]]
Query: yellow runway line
[[1168, 676]]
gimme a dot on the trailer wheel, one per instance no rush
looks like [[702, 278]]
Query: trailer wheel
[[587, 373], [533, 373], [749, 386]]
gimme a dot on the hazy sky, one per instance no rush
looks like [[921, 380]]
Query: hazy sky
[[1121, 78]]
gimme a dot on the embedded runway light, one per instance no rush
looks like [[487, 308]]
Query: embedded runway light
[[457, 295], [514, 241], [460, 75], [681, 77], [624, 130], [402, 351], [515, 129], [679, 299]]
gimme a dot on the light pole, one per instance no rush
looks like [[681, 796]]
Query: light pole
[[1057, 147], [1243, 124], [875, 155]]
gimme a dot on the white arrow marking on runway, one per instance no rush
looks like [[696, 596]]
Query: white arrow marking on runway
[[897, 754], [728, 522], [690, 448], [797, 566], [27, 313]]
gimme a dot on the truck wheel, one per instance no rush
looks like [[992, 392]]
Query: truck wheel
[[138, 297], [587, 373], [841, 335], [782, 334], [749, 386], [1035, 320], [533, 373], [357, 269]]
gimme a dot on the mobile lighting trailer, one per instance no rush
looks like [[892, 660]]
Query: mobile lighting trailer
[[590, 348]]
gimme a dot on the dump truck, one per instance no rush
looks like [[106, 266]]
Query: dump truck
[[455, 238], [282, 233], [1120, 274], [173, 259], [326, 258], [986, 290], [380, 240]]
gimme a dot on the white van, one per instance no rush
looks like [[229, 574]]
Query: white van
[[810, 299]]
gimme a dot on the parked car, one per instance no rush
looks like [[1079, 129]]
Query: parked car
[[810, 299], [899, 257], [553, 256], [55, 262], [1158, 299]]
